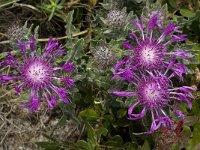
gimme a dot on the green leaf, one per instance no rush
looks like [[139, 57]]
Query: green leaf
[[52, 14], [186, 131], [36, 32], [196, 107], [68, 20], [187, 13], [83, 144], [68, 110], [49, 146], [145, 146], [92, 138], [101, 131], [121, 113], [172, 3], [61, 122], [78, 49], [89, 115], [195, 137], [115, 141]]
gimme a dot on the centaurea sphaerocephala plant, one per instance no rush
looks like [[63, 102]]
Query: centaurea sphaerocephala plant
[[154, 92], [152, 45], [36, 74], [151, 69]]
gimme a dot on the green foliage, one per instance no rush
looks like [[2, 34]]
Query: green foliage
[[93, 138], [89, 115], [195, 137], [49, 146], [54, 7]]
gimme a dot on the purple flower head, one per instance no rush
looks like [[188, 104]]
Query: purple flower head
[[37, 74], [151, 48], [154, 93]]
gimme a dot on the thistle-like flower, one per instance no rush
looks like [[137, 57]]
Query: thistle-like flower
[[103, 56], [151, 69], [151, 49], [155, 92], [116, 18], [37, 73]]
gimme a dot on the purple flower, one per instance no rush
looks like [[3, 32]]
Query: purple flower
[[151, 69], [151, 48], [37, 74], [154, 93]]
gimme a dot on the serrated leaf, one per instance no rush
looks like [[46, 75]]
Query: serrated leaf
[[68, 20]]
